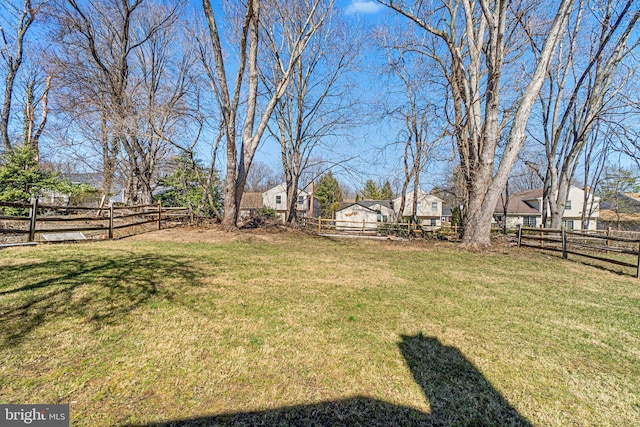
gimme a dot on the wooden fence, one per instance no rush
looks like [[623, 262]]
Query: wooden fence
[[588, 244], [364, 228], [98, 222]]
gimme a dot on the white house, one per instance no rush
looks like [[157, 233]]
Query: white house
[[370, 212], [525, 209], [428, 208], [276, 199]]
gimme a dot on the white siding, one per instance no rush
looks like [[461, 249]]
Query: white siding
[[351, 218], [270, 199], [426, 203], [576, 197]]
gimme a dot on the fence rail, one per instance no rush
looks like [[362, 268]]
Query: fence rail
[[370, 228], [107, 219], [588, 244]]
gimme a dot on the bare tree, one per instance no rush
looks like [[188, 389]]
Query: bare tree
[[594, 163], [32, 128], [417, 113], [261, 177], [119, 72], [529, 172], [472, 42], [17, 18], [229, 102], [582, 89], [316, 103]]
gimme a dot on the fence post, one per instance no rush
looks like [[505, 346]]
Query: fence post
[[110, 220], [608, 235], [363, 226], [33, 213], [159, 215], [565, 255], [638, 269], [519, 234], [319, 225]]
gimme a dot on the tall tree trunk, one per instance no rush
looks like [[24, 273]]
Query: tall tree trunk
[[13, 59]]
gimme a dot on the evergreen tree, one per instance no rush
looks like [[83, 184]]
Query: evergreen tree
[[456, 216], [186, 189], [22, 178], [329, 194], [386, 193], [370, 191]]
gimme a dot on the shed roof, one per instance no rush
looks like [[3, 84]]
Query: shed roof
[[348, 205], [370, 203], [251, 201]]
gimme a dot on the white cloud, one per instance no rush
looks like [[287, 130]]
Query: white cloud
[[363, 6]]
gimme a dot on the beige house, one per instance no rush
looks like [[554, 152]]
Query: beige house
[[428, 208], [276, 199], [525, 209]]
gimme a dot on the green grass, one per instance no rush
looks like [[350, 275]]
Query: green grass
[[301, 329]]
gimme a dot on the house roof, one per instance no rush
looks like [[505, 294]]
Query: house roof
[[517, 203], [631, 202], [359, 204], [634, 196], [371, 203], [91, 178], [447, 211], [536, 193], [251, 201]]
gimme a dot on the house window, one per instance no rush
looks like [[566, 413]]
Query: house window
[[278, 200], [530, 221], [300, 200], [434, 206], [567, 206], [433, 222], [568, 224]]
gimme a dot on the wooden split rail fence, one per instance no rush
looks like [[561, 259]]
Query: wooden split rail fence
[[43, 219], [588, 244], [364, 228]]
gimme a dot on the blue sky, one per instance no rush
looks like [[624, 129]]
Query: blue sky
[[368, 145], [363, 145]]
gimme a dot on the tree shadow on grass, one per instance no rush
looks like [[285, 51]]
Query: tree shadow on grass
[[457, 392], [100, 291]]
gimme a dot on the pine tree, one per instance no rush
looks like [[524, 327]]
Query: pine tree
[[386, 193], [329, 194], [370, 191]]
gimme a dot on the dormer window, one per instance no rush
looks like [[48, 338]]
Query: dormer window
[[278, 200], [567, 206]]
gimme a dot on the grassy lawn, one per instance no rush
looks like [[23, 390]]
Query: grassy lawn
[[296, 329]]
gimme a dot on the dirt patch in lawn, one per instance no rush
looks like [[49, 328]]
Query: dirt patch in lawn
[[213, 233]]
